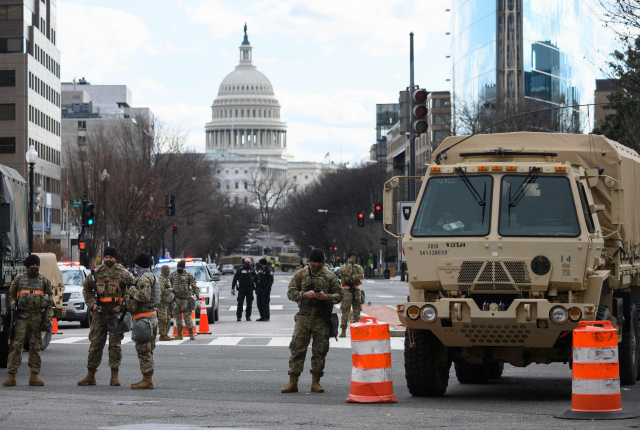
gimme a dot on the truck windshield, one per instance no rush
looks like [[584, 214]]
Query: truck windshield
[[545, 209], [449, 208]]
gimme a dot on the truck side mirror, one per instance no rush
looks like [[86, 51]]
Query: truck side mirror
[[593, 175], [387, 201]]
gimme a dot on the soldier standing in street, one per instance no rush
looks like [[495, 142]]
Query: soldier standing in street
[[30, 298], [164, 308], [104, 292], [245, 277], [351, 275], [144, 301], [184, 285], [263, 289], [309, 319]]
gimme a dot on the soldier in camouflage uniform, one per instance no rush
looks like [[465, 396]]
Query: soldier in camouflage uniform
[[351, 275], [183, 284], [110, 286], [30, 297], [309, 321], [145, 297], [164, 308]]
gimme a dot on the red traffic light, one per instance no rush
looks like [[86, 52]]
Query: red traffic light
[[420, 96], [378, 208], [361, 215], [335, 248]]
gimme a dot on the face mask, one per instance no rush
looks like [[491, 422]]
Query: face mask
[[180, 271], [109, 263], [33, 270]]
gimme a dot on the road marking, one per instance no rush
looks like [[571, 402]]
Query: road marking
[[233, 308], [386, 297], [175, 342], [370, 281], [279, 341], [276, 307], [68, 340], [126, 340], [229, 341], [275, 297]]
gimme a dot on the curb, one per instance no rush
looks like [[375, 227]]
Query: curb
[[396, 333]]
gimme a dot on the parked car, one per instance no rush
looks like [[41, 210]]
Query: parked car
[[336, 271], [207, 286], [215, 274], [73, 276], [227, 268]]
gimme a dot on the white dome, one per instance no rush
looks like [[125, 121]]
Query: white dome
[[245, 80]]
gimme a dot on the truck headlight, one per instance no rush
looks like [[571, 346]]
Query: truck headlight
[[75, 296], [413, 313], [558, 315], [429, 313], [575, 314]]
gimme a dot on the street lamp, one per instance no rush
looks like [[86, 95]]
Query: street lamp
[[104, 177], [371, 216], [31, 157]]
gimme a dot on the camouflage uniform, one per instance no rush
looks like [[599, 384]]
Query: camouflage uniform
[[309, 322], [351, 275], [111, 285], [181, 284], [164, 308], [140, 294], [33, 294]]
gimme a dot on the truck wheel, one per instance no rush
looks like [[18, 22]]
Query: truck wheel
[[471, 373], [494, 370], [628, 350], [285, 269], [4, 348], [86, 323], [425, 374]]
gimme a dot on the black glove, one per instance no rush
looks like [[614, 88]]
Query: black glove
[[46, 326]]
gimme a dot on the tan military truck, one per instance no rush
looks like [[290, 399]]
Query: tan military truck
[[288, 261], [513, 240], [236, 260]]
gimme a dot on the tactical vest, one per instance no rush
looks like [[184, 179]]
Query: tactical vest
[[180, 284], [263, 277], [31, 294], [245, 279], [154, 299], [167, 297], [107, 284]]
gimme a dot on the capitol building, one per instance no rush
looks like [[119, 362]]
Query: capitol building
[[246, 134]]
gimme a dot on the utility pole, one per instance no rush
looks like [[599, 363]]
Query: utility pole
[[82, 238], [412, 138]]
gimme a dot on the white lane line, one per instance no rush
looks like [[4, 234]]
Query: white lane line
[[386, 297], [276, 307], [226, 341], [275, 297], [69, 339], [233, 308], [370, 281], [173, 343], [279, 341], [126, 340]]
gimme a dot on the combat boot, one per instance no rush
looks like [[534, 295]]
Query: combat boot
[[145, 384], [90, 379], [315, 384], [10, 381], [34, 381], [191, 336], [344, 332], [114, 378], [179, 335], [165, 338], [292, 386]]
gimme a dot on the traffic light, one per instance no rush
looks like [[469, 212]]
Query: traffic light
[[81, 246], [377, 213], [90, 214], [419, 107], [383, 241], [39, 200], [170, 205], [175, 229], [361, 219], [403, 112]]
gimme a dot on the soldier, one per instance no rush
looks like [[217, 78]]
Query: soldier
[[30, 297], [246, 278], [309, 320], [144, 301], [263, 289], [164, 309], [351, 275], [104, 293], [184, 285]]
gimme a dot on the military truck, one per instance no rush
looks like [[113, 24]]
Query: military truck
[[288, 261], [515, 238], [236, 260], [15, 248]]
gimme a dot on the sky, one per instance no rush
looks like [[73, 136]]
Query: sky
[[329, 61]]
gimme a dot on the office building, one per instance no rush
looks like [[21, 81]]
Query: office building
[[386, 117], [604, 87]]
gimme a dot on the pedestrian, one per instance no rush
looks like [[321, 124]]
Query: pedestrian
[[263, 289], [310, 321], [143, 303], [245, 277], [104, 293], [31, 301], [184, 287], [351, 275], [166, 304]]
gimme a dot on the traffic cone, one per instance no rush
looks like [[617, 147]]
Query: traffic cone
[[175, 328], [595, 391], [371, 356], [54, 329], [185, 330], [204, 319]]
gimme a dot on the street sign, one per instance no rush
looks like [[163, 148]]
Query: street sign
[[76, 203], [404, 210]]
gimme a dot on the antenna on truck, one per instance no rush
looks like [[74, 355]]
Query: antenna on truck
[[444, 151]]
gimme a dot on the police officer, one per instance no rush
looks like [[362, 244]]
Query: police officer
[[263, 288], [245, 277], [30, 297]]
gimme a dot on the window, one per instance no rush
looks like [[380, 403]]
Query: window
[[82, 125], [226, 171], [227, 186], [236, 171], [7, 112], [246, 199], [254, 113], [295, 178], [245, 171], [218, 171], [7, 78], [237, 186], [236, 113], [440, 119], [236, 199], [242, 113], [246, 185], [438, 136], [7, 145], [306, 176], [82, 140], [12, 45]]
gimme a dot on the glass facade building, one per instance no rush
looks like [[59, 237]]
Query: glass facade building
[[534, 50], [386, 117]]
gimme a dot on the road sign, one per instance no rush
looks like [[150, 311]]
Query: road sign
[[76, 203], [404, 210]]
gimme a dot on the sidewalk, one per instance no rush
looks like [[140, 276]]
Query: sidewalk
[[386, 314]]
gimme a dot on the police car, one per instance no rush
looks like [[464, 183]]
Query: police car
[[73, 275], [204, 278]]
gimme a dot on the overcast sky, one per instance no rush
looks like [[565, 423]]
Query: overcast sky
[[330, 61]]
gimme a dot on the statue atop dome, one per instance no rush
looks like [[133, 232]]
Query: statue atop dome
[[246, 38]]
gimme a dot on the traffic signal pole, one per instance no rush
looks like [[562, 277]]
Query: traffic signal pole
[[412, 138], [82, 236]]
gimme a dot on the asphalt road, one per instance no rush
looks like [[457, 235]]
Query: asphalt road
[[232, 379]]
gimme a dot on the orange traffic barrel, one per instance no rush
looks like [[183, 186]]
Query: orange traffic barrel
[[595, 391], [371, 356]]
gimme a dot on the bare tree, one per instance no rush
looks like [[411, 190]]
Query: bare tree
[[270, 188]]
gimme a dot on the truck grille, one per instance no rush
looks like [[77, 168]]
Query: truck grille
[[494, 276], [65, 298]]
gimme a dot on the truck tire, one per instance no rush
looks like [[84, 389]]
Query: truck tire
[[425, 376], [285, 269], [471, 373], [4, 348], [494, 370], [86, 323], [628, 351]]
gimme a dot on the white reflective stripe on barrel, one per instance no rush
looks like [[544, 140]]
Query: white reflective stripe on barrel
[[596, 386], [366, 347], [371, 375], [595, 355]]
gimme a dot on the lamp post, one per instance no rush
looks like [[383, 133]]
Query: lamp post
[[31, 157], [104, 177]]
